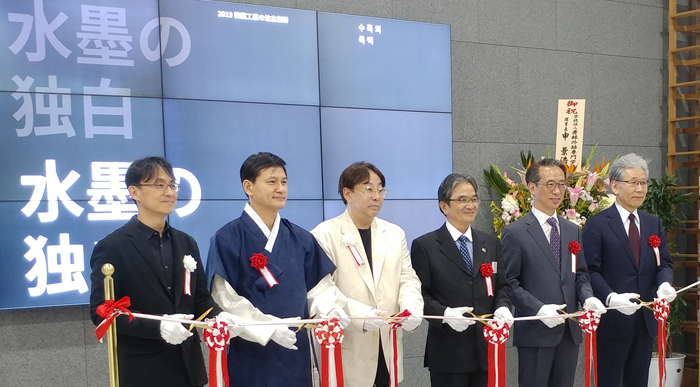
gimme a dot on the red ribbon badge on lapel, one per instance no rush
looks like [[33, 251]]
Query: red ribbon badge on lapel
[[109, 311], [589, 322], [259, 262], [329, 335], [655, 242], [575, 248], [394, 372], [661, 310], [487, 271], [217, 338], [496, 335]]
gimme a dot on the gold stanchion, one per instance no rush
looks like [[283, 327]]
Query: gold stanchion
[[108, 270]]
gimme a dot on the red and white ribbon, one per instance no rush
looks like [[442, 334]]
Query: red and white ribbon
[[217, 338], [394, 371], [496, 335], [574, 247], [655, 242], [109, 311], [589, 322], [487, 271], [329, 336], [356, 255], [259, 261], [190, 266], [661, 310]]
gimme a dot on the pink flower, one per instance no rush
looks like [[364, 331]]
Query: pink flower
[[574, 194], [592, 180], [592, 207], [522, 178], [570, 213]]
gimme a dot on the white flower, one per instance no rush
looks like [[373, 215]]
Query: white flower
[[607, 201], [190, 263], [349, 239], [509, 204], [586, 196]]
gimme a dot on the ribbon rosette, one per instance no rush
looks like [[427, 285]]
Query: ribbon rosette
[[661, 310], [217, 338], [589, 322], [190, 267], [487, 271], [259, 262], [394, 371], [655, 242], [349, 241], [496, 335], [329, 335], [109, 311], [575, 248]]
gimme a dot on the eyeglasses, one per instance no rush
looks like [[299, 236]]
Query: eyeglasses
[[163, 186], [634, 184], [370, 191], [474, 200], [552, 185]]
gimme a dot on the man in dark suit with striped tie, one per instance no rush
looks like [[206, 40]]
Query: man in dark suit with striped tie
[[546, 277], [624, 266]]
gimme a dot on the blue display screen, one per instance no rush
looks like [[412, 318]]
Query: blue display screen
[[86, 89]]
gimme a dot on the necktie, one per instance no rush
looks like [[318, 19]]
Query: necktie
[[555, 240], [634, 239], [465, 253]]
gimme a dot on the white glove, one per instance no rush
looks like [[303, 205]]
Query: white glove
[[235, 323], [412, 322], [666, 291], [623, 299], [340, 314], [173, 332], [503, 314], [371, 324], [551, 310], [595, 305], [459, 325], [284, 337]]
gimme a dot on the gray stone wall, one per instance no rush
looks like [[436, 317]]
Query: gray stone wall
[[511, 61]]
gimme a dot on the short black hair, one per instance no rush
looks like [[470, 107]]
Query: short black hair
[[145, 169], [533, 173], [355, 174], [254, 164]]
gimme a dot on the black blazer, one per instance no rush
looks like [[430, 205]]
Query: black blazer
[[613, 268], [145, 359], [446, 282]]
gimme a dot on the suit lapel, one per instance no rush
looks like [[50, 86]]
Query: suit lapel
[[535, 230], [378, 250], [449, 248], [141, 243], [479, 255], [615, 222], [568, 234], [179, 269], [348, 227], [645, 233]]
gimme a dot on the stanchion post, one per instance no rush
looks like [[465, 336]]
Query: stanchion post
[[108, 270]]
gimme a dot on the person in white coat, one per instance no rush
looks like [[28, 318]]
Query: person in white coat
[[374, 273]]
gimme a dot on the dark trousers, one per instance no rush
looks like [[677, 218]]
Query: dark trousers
[[478, 378], [382, 377], [625, 359], [548, 366]]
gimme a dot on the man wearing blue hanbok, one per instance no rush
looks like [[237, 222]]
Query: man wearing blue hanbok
[[298, 284]]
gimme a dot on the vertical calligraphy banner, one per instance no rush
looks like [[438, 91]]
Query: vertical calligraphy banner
[[570, 118]]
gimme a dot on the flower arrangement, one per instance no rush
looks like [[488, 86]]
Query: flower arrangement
[[585, 195]]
